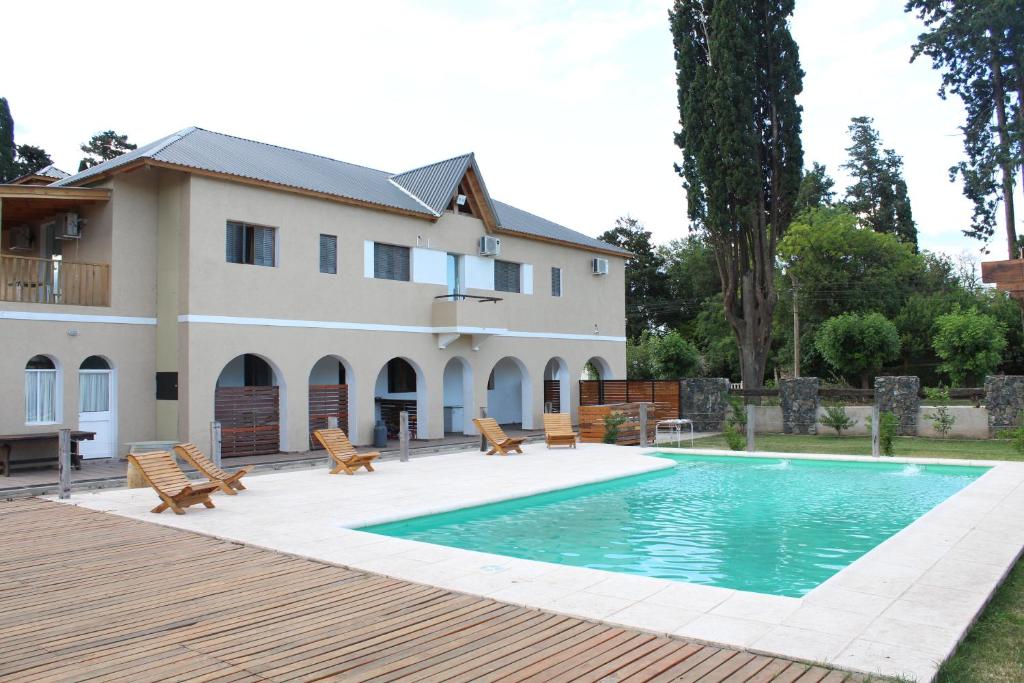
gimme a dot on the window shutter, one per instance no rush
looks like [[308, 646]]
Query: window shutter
[[506, 276], [390, 262], [234, 243], [329, 254], [263, 251], [556, 282]]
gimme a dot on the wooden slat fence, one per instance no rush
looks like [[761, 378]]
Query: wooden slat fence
[[325, 401], [604, 392], [553, 394], [389, 412], [45, 281], [250, 420]]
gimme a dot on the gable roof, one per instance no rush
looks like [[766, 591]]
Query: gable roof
[[47, 173], [424, 191]]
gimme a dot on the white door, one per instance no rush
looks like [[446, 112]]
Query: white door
[[95, 413]]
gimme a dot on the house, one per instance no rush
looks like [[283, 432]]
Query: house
[[207, 276]]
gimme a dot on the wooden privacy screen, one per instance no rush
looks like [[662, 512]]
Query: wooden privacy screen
[[592, 422], [595, 392], [389, 412], [249, 419], [325, 401], [553, 394]]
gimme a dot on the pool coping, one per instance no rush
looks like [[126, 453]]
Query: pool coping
[[900, 609]]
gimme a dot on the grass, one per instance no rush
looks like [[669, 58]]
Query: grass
[[908, 446]]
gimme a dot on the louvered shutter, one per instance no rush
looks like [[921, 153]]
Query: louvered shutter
[[390, 262], [329, 254], [263, 247], [556, 282], [235, 243], [506, 276]]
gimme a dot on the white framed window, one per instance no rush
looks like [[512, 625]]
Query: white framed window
[[506, 276], [556, 282], [390, 262], [42, 392], [329, 254], [251, 244]]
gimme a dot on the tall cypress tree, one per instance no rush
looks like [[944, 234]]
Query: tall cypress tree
[[738, 74], [8, 152], [878, 195]]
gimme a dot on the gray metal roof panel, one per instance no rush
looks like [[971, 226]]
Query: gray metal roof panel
[[51, 171], [433, 184], [518, 220]]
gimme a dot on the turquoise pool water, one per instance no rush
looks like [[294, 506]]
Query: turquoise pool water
[[770, 526]]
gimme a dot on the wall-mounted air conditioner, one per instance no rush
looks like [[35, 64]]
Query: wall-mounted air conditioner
[[599, 266], [490, 246], [20, 238], [67, 226]]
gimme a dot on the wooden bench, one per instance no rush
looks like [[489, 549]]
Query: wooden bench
[[7, 441]]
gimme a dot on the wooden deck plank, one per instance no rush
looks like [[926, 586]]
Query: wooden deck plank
[[87, 596]]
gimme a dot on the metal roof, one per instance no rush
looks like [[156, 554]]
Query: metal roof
[[425, 190], [51, 171]]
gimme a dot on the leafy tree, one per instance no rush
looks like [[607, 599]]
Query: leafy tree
[[640, 356], [942, 420], [815, 190], [675, 357], [878, 195], [978, 45], [104, 147], [32, 158], [716, 341], [858, 345], [969, 343], [8, 151], [691, 277], [645, 281], [738, 76], [836, 418]]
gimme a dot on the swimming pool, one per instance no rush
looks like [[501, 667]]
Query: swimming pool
[[774, 526]]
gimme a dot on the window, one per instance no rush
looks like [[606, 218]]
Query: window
[[556, 282], [40, 391], [454, 275], [252, 244], [506, 276], [329, 254], [401, 377], [390, 262]]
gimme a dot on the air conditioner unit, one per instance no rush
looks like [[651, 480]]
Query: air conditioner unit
[[599, 266], [490, 246], [20, 238], [67, 226]]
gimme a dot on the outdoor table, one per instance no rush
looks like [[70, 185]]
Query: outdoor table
[[673, 429], [8, 440]]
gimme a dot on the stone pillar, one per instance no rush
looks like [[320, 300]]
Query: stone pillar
[[899, 396], [799, 400], [704, 401], [1004, 399]]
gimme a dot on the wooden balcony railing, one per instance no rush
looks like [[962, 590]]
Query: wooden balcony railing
[[44, 281]]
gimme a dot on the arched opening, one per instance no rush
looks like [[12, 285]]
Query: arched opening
[[596, 368], [509, 393], [556, 386], [401, 386], [249, 404], [330, 386], [97, 407], [458, 397], [42, 391]]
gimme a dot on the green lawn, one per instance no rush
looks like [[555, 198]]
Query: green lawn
[[909, 446], [993, 651]]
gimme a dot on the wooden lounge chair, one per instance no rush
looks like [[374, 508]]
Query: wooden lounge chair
[[343, 453], [229, 483], [500, 441], [175, 490], [558, 430]]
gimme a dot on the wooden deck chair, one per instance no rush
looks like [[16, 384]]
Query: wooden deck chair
[[175, 490], [558, 430], [229, 483], [346, 458], [499, 440]]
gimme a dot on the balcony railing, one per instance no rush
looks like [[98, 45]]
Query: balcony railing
[[32, 280]]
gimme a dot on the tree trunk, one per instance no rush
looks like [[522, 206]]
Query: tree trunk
[[1007, 167]]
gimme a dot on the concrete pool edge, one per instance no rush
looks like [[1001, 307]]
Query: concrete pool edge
[[875, 616]]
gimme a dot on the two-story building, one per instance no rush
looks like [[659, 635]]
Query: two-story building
[[205, 276]]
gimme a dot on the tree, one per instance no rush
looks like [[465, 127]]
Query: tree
[[878, 195], [8, 151], [640, 356], [969, 343], [815, 190], [978, 45], [645, 281], [691, 276], [104, 147], [675, 357], [858, 345], [738, 75], [31, 159]]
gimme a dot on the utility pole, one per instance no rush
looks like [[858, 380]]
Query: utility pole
[[796, 329]]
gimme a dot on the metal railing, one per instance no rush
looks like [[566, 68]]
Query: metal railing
[[470, 297], [28, 279]]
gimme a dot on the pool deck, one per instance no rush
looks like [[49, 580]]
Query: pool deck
[[900, 609]]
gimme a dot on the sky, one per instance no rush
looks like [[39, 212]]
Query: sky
[[569, 106]]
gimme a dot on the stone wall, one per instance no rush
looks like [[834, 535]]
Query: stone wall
[[704, 400], [799, 400], [899, 395], [1004, 398]]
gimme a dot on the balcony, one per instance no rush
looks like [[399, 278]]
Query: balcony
[[454, 315], [31, 280]]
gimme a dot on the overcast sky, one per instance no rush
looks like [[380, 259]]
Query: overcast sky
[[569, 106]]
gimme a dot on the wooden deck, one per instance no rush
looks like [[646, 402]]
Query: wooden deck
[[90, 596]]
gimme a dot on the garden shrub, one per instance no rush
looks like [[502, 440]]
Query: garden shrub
[[733, 437], [835, 417], [942, 420], [612, 423]]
